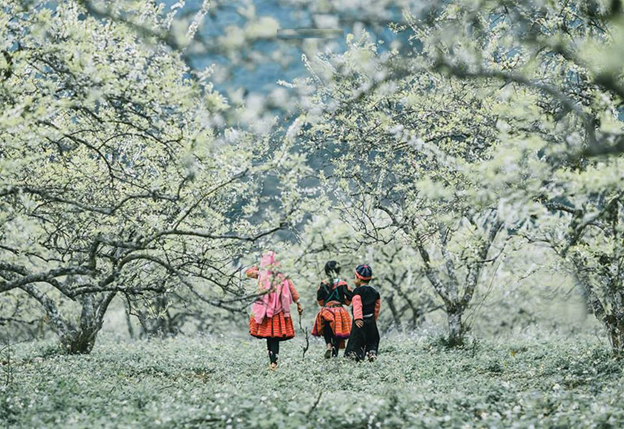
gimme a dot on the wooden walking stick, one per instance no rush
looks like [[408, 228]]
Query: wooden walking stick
[[307, 338]]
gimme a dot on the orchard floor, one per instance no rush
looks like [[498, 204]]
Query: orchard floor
[[216, 382]]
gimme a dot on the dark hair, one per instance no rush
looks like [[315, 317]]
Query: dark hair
[[332, 269]]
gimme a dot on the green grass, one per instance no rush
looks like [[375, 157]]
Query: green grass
[[192, 382]]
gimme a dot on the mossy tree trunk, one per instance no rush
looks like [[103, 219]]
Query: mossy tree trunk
[[75, 338], [455, 327], [595, 249], [457, 294]]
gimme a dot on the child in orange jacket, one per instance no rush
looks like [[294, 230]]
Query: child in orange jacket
[[332, 321]]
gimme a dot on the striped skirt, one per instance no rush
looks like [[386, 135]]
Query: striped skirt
[[277, 326], [338, 319]]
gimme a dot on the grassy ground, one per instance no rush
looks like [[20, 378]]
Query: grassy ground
[[192, 382]]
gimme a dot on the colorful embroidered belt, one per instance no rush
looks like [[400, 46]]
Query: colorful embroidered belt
[[332, 304]]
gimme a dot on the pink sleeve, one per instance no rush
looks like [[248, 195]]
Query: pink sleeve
[[357, 307], [377, 308], [293, 291]]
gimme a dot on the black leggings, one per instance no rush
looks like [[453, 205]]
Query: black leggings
[[363, 341], [330, 338], [273, 348]]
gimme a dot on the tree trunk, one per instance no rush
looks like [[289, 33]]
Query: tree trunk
[[80, 341], [395, 314], [456, 327], [615, 328], [129, 321]]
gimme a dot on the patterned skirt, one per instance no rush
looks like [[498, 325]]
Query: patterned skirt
[[338, 319], [277, 326]]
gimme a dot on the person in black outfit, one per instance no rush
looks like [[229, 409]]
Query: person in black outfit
[[364, 339]]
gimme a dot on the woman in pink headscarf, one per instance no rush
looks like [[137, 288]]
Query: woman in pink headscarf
[[270, 316]]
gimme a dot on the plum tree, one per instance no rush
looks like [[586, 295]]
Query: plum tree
[[114, 180]]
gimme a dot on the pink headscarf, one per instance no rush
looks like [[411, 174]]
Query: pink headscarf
[[279, 297]]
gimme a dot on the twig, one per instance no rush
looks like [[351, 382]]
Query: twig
[[318, 399], [7, 365], [307, 339]]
